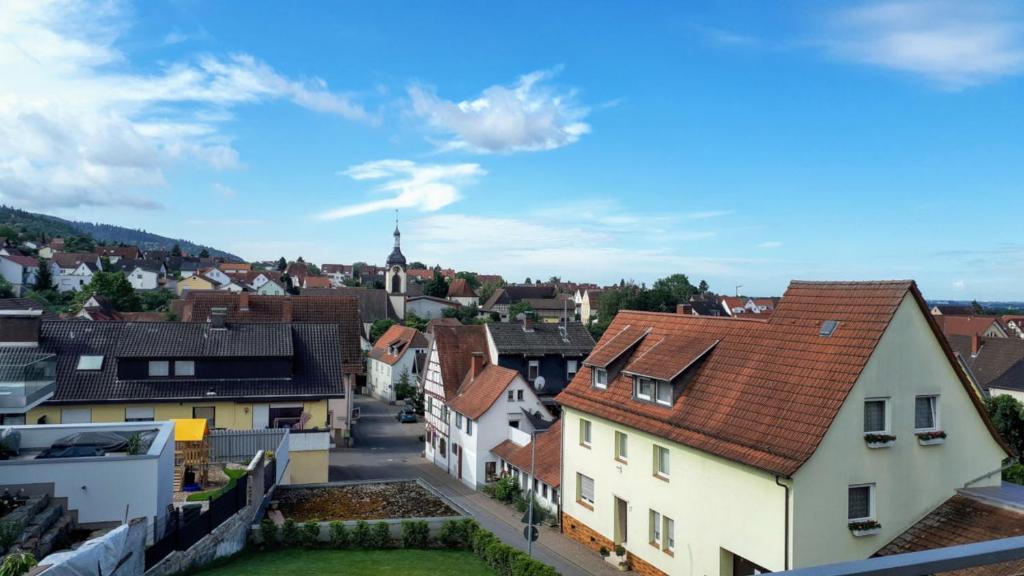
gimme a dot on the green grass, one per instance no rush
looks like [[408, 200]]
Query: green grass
[[233, 473], [294, 562]]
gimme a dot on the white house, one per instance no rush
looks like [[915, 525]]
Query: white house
[[428, 307], [490, 400], [538, 468], [460, 291], [392, 358], [72, 271], [448, 362], [19, 271], [589, 305], [216, 275], [714, 445], [143, 274], [271, 288]]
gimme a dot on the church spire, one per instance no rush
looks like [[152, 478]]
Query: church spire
[[398, 235], [397, 258]]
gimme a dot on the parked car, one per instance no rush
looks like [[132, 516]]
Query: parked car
[[406, 417]]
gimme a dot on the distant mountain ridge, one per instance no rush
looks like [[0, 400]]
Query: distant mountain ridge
[[33, 225]]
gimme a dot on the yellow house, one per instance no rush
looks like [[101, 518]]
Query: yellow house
[[194, 283], [722, 446]]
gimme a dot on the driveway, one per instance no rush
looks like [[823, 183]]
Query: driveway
[[383, 449]]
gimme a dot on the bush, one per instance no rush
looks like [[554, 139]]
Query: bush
[[361, 537], [489, 489], [523, 565], [500, 557], [268, 533], [17, 564], [291, 534], [507, 489], [339, 534], [310, 534], [415, 534], [381, 536], [505, 560], [481, 540]]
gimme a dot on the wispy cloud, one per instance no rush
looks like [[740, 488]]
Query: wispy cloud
[[224, 190], [526, 116], [78, 128], [956, 44], [425, 187], [770, 244], [174, 37], [705, 215], [723, 37]]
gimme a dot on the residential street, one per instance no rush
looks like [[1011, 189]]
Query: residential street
[[385, 449]]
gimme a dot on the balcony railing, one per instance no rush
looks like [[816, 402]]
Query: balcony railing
[[27, 378]]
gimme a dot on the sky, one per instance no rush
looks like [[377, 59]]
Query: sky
[[744, 143]]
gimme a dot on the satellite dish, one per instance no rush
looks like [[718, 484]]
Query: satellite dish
[[538, 384]]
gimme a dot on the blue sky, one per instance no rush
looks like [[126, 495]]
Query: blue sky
[[743, 143]]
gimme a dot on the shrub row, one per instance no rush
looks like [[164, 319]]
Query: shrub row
[[464, 534]]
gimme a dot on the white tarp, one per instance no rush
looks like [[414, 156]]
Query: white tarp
[[103, 556]]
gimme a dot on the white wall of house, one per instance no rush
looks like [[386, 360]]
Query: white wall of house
[[383, 378], [230, 287], [426, 308], [714, 503], [270, 289], [910, 480], [436, 412], [143, 279], [1016, 394], [218, 276], [71, 279], [465, 300], [490, 430], [19, 276]]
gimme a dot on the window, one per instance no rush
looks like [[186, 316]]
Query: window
[[652, 390], [514, 423], [90, 362], [511, 395], [442, 447], [207, 412], [643, 388], [184, 368], [458, 421], [159, 368], [926, 413], [585, 489], [876, 419], [554, 495], [544, 490], [571, 367], [284, 416], [75, 415], [533, 370], [519, 395], [827, 328], [585, 433], [469, 427], [669, 544], [621, 447], [861, 505], [600, 377], [664, 395], [654, 529], [430, 404], [138, 414], [661, 461]]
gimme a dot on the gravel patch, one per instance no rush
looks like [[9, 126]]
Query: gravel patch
[[361, 502]]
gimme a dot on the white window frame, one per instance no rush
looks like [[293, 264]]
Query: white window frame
[[88, 359], [638, 382], [586, 432], [935, 413], [662, 455], [654, 532], [156, 363], [668, 532], [581, 480], [599, 378], [190, 371], [871, 502], [139, 414], [533, 370], [885, 414], [660, 385], [621, 446]]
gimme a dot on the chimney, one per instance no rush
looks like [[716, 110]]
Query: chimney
[[20, 327], [476, 365], [527, 322], [286, 310], [686, 309], [243, 302], [218, 317], [975, 345]]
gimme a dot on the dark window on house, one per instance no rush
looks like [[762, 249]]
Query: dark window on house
[[207, 412], [519, 395], [285, 416]]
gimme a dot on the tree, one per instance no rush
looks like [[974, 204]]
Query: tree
[[528, 281], [176, 250], [6, 290], [313, 269], [379, 327], [521, 307], [412, 320], [671, 290], [470, 278], [436, 287], [44, 277], [404, 388], [115, 287], [465, 314], [417, 265], [79, 244], [554, 280], [487, 290], [977, 307], [703, 287], [282, 264], [156, 300], [300, 260], [1008, 417], [204, 253]]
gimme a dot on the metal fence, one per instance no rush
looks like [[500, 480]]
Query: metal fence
[[240, 445]]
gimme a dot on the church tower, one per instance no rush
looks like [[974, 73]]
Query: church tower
[[395, 277]]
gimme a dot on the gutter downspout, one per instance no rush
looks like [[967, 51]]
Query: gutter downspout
[[785, 551]]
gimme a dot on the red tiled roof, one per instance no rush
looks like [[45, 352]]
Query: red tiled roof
[[126, 252], [459, 288], [229, 267], [317, 282], [965, 325], [420, 274], [768, 392], [477, 395], [547, 460], [667, 358], [24, 261], [403, 337], [616, 342], [962, 520], [455, 347]]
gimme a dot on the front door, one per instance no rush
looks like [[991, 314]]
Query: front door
[[621, 520]]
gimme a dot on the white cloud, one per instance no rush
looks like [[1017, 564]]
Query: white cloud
[[526, 116], [959, 285], [955, 44], [770, 244], [706, 214], [224, 190], [174, 37], [426, 187], [78, 128]]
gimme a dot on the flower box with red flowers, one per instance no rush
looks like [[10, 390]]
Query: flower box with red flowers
[[879, 440], [931, 438]]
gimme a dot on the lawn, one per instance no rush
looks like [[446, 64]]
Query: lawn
[[352, 563]]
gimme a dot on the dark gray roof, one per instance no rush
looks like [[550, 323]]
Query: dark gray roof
[[200, 339], [374, 303], [25, 304], [999, 362], [127, 265], [570, 339], [316, 365], [705, 308]]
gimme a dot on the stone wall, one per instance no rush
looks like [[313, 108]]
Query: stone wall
[[593, 539], [225, 540]]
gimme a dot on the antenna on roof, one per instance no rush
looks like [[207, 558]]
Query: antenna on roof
[[738, 286]]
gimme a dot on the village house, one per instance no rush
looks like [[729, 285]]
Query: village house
[[19, 271], [316, 282], [590, 305], [116, 253], [271, 288], [995, 364], [535, 467], [338, 273], [547, 356], [460, 291], [429, 307], [736, 305], [503, 298], [141, 274], [194, 283], [73, 270], [393, 359], [971, 325], [490, 400], [676, 417]]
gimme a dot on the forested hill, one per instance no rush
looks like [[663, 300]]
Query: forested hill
[[32, 226]]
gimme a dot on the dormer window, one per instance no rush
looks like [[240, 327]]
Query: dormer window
[[600, 378], [159, 368], [90, 362], [651, 390]]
